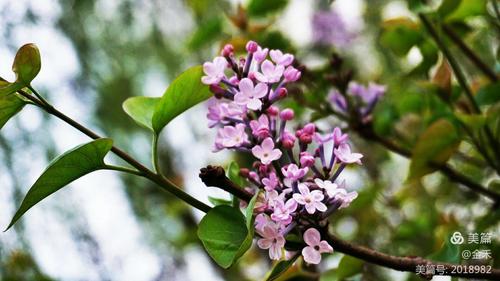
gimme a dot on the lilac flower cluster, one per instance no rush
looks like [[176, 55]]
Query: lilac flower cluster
[[294, 194], [362, 98], [330, 29]]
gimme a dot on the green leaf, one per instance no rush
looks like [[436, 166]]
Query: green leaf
[[473, 121], [400, 35], [468, 8], [348, 267], [206, 33], [63, 170], [10, 105], [447, 7], [488, 94], [249, 221], [436, 144], [218, 201], [448, 253], [261, 8], [223, 231], [185, 92], [141, 109], [281, 267], [233, 173], [27, 64]]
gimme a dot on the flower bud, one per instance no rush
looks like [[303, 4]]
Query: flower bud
[[244, 172], [309, 129], [282, 92], [287, 140], [287, 114], [252, 47], [227, 51], [305, 138], [217, 90], [273, 110]]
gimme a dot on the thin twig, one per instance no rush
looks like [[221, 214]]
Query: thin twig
[[164, 183], [473, 57]]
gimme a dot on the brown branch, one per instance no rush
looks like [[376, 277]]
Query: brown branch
[[367, 133], [215, 176]]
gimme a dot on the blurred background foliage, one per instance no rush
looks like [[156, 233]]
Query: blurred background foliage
[[127, 48]]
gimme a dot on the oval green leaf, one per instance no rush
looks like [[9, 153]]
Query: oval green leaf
[[223, 232], [27, 64], [488, 95], [63, 170], [185, 92], [141, 109], [281, 267], [436, 145], [10, 105]]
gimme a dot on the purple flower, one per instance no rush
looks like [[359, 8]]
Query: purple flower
[[260, 127], [291, 74], [319, 139], [306, 159], [219, 111], [270, 73], [330, 187], [282, 211], [250, 95], [315, 246], [292, 173], [272, 240], [281, 59], [336, 98], [214, 71], [330, 29], [260, 55], [338, 137], [310, 199], [271, 182], [230, 136], [344, 154], [368, 94], [266, 152]]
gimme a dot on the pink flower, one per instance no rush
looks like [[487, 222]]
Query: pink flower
[[272, 240], [315, 247], [260, 127], [270, 182], [218, 111], [282, 211], [250, 95], [292, 173], [310, 199], [330, 187], [291, 74], [338, 137], [260, 221], [346, 197], [343, 153], [232, 136], [281, 59], [270, 73], [266, 152], [267, 200], [319, 139], [214, 71], [260, 55]]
